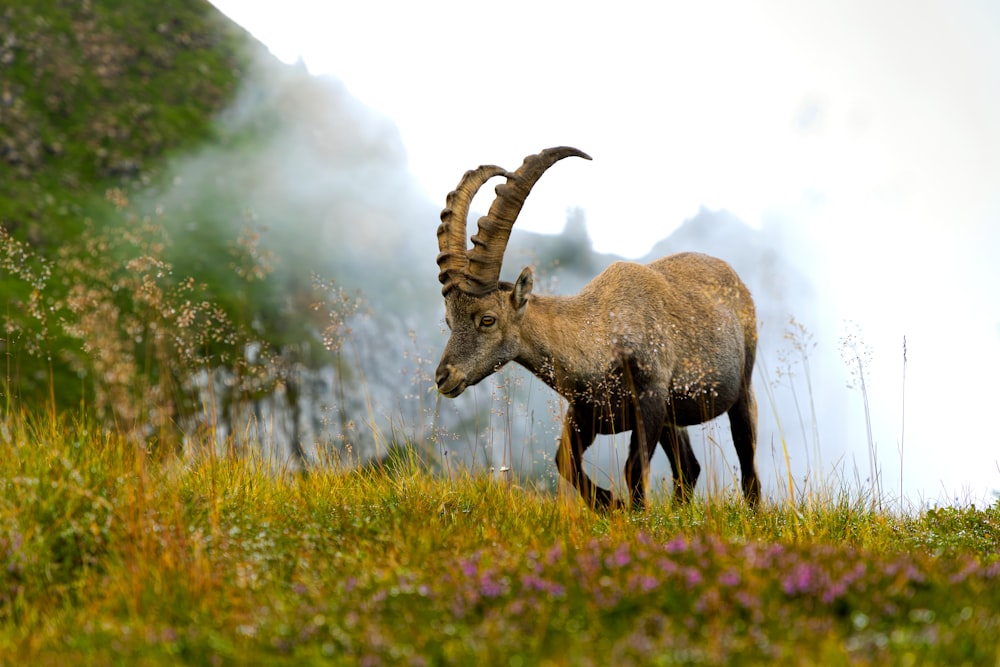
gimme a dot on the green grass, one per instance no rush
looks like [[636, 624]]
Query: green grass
[[95, 98], [111, 556], [96, 94]]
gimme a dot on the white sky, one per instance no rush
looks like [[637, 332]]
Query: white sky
[[681, 104], [873, 125]]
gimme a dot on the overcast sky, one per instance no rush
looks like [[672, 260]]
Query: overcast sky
[[736, 105], [869, 128]]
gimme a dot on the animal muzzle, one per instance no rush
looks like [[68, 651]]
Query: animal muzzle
[[450, 381]]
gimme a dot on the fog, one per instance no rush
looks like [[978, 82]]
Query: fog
[[839, 274]]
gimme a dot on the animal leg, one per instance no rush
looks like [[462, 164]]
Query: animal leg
[[647, 427], [676, 444], [577, 435], [743, 422]]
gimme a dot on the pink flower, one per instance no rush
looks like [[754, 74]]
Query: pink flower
[[619, 558]]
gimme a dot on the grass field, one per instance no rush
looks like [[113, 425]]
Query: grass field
[[110, 555]]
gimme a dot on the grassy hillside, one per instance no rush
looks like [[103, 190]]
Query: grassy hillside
[[95, 94], [95, 296], [109, 556]]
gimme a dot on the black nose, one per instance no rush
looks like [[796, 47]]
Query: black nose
[[441, 375]]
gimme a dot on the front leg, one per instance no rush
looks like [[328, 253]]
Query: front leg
[[677, 446], [650, 413], [578, 434]]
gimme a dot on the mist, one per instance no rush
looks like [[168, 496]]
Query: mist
[[326, 181]]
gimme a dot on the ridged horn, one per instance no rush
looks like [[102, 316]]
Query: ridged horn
[[453, 258], [489, 243]]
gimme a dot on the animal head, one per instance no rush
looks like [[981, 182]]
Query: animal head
[[483, 313]]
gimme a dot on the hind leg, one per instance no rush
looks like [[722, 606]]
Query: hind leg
[[743, 422], [676, 445]]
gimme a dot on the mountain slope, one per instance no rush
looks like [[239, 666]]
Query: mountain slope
[[93, 95]]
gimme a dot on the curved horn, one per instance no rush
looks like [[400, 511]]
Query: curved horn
[[488, 245], [453, 259]]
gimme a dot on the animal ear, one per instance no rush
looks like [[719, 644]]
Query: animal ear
[[522, 288]]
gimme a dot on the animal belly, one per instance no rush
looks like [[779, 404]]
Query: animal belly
[[691, 411], [611, 419], [682, 412], [696, 398], [605, 417], [611, 412]]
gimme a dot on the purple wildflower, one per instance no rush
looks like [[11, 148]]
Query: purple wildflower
[[799, 580], [676, 545], [554, 555], [619, 558], [968, 569], [490, 587], [647, 583], [730, 578], [469, 567], [666, 566], [536, 583], [836, 591]]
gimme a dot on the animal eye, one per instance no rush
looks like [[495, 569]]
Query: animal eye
[[487, 321]]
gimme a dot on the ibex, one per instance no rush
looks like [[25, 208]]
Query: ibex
[[649, 348]]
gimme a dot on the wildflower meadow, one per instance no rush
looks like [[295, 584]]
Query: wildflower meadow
[[112, 554]]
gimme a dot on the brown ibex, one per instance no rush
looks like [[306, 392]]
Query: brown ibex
[[648, 348]]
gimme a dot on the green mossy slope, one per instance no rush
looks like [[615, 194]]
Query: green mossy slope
[[94, 94]]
